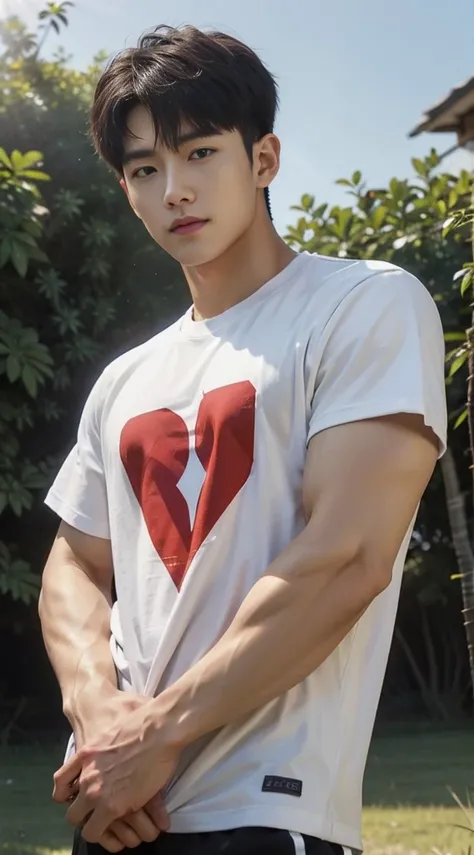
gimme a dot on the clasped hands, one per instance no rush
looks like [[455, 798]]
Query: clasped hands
[[114, 781]]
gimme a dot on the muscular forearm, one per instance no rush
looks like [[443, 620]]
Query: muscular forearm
[[75, 619], [290, 622]]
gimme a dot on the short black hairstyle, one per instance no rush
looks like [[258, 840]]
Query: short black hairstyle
[[208, 80]]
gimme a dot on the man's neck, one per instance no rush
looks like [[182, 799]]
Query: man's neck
[[258, 256]]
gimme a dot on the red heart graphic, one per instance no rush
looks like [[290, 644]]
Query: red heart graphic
[[154, 448]]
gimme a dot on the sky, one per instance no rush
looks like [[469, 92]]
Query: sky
[[355, 76]]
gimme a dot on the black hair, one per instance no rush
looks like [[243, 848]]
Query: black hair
[[208, 80]]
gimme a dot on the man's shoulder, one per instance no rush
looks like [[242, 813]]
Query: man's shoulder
[[121, 369], [136, 356], [350, 272], [326, 283]]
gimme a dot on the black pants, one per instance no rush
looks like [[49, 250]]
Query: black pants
[[238, 841]]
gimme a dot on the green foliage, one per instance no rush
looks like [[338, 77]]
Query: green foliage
[[20, 221], [79, 281], [421, 224], [23, 358], [55, 13], [381, 222], [16, 577]]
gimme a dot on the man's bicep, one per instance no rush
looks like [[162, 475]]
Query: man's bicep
[[92, 554], [363, 482]]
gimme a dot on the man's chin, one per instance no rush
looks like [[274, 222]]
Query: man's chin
[[194, 256]]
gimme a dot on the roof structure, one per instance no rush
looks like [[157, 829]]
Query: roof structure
[[454, 113]]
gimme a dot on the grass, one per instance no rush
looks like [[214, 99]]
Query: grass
[[408, 807]]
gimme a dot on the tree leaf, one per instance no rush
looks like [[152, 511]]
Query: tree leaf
[[5, 159], [320, 211], [38, 254], [31, 157], [433, 159], [35, 175], [16, 505], [420, 167], [447, 225], [452, 198], [17, 160], [394, 185], [30, 381], [24, 237], [34, 229], [13, 368], [29, 336], [19, 259], [5, 251], [343, 182], [460, 419], [466, 282], [378, 216], [356, 177], [455, 336], [458, 363], [307, 202]]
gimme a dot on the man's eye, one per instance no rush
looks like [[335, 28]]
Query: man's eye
[[202, 153], [144, 171]]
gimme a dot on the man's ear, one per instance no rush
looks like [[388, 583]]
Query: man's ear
[[124, 187], [266, 159]]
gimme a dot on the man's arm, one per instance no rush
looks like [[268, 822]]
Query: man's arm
[[74, 609], [362, 485]]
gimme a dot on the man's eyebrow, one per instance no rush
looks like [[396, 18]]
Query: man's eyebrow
[[197, 134], [146, 153], [137, 154]]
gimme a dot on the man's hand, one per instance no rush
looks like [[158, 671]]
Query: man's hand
[[143, 825], [118, 774]]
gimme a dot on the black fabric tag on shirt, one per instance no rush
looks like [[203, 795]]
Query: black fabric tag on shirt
[[286, 786]]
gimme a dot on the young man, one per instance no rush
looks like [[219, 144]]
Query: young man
[[247, 480]]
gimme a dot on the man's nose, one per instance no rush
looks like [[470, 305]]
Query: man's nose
[[177, 191]]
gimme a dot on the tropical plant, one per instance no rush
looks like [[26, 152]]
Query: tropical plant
[[25, 361], [53, 16]]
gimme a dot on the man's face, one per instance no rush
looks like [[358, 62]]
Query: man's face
[[195, 202]]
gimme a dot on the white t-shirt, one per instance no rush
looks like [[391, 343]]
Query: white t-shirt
[[189, 457]]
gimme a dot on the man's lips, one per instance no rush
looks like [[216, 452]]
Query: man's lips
[[187, 225]]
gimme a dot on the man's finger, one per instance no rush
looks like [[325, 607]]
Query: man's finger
[[97, 823], [73, 791], [155, 809], [79, 811], [125, 832], [65, 777], [143, 826], [110, 842]]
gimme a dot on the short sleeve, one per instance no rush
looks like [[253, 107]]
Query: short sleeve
[[382, 353], [78, 494]]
